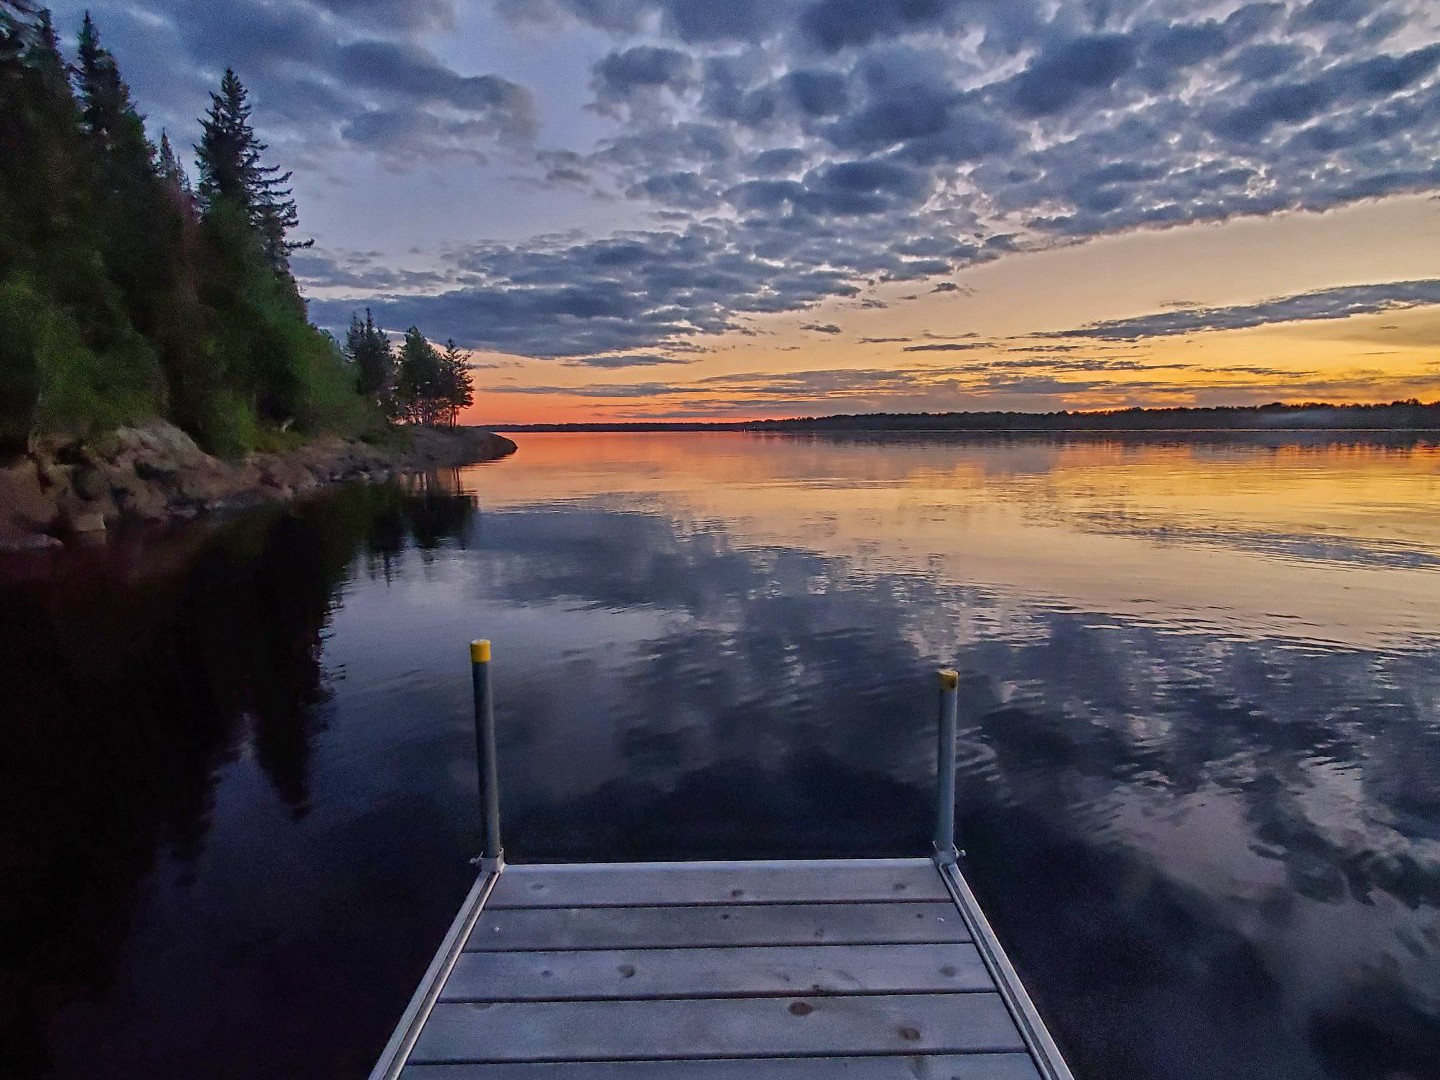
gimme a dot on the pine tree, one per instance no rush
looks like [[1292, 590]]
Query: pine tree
[[458, 386], [418, 380], [138, 219], [229, 156], [142, 224], [117, 298], [71, 357], [172, 171], [369, 350]]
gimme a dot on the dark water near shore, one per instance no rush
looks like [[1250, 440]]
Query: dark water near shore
[[1200, 764]]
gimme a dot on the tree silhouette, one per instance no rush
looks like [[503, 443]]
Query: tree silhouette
[[229, 157]]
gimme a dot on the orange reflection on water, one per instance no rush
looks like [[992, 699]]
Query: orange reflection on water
[[1334, 542]]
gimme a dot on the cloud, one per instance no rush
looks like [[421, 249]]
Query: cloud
[[1063, 75], [820, 328], [364, 270], [689, 21], [1338, 303], [324, 74], [563, 298], [620, 76], [1032, 383], [787, 152], [627, 360], [951, 346], [409, 14]]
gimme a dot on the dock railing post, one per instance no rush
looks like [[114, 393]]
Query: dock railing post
[[945, 767], [492, 855]]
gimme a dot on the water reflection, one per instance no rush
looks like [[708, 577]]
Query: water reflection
[[1209, 829], [133, 678]]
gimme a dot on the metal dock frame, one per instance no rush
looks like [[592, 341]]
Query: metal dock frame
[[772, 885]]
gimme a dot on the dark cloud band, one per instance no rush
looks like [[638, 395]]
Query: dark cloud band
[[1340, 303]]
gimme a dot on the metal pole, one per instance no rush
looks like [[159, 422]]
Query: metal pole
[[945, 764], [492, 853]]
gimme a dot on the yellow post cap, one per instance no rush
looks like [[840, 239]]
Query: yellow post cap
[[949, 678], [480, 651]]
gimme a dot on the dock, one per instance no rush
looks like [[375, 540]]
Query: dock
[[871, 969]]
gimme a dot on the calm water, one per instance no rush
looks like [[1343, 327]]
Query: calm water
[[1200, 764]]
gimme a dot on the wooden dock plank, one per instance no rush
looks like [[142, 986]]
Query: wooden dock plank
[[671, 973], [717, 1027], [909, 1067], [535, 929], [760, 882]]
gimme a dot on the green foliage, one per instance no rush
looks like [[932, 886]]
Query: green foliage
[[369, 350], [457, 384], [431, 387], [19, 363], [229, 157], [60, 384], [125, 293], [225, 424]]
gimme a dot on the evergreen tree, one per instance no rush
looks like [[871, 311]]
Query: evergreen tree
[[118, 299], [229, 156], [70, 358], [13, 28], [141, 223], [172, 171], [419, 378], [370, 351], [458, 386]]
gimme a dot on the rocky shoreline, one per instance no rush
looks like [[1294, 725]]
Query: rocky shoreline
[[65, 491]]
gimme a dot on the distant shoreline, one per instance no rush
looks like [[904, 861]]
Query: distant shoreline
[[1400, 416]]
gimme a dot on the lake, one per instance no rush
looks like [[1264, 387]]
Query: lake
[[1199, 777]]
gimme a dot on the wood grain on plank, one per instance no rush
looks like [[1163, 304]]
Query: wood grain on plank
[[897, 1067], [723, 1027], [530, 929], [649, 884], [651, 973]]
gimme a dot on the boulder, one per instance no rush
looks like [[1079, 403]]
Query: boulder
[[27, 506], [139, 500], [89, 482]]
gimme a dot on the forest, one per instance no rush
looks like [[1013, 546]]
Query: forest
[[130, 291], [1410, 415]]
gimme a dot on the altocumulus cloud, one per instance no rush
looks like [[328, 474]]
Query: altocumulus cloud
[[798, 150], [1339, 303], [328, 74]]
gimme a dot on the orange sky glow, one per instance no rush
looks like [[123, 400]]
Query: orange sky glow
[[929, 350]]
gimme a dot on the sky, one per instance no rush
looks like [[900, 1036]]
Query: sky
[[695, 209]]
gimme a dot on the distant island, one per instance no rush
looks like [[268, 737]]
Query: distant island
[[1409, 415]]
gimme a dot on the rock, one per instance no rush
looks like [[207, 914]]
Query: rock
[[140, 501], [48, 472], [76, 519], [162, 443], [164, 472], [89, 483], [204, 485], [14, 540], [154, 472], [26, 506], [82, 522]]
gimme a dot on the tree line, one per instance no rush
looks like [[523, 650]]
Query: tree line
[[1408, 415], [128, 292], [419, 384]]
